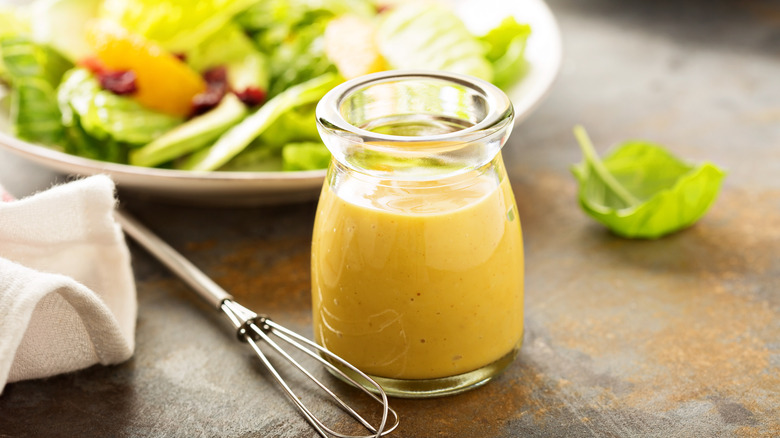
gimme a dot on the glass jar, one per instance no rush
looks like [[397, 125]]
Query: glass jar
[[417, 253]]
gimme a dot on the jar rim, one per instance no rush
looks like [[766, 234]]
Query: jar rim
[[330, 118]]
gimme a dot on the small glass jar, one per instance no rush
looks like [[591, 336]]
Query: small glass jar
[[417, 253]]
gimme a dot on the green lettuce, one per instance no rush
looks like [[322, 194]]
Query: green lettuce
[[12, 24], [305, 156], [232, 48], [191, 135], [273, 21], [641, 190], [506, 51], [102, 116], [291, 33], [266, 152], [295, 125], [177, 25], [431, 37], [240, 136], [33, 71]]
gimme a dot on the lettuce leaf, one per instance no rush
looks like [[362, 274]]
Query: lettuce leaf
[[287, 144], [191, 135], [276, 20], [431, 37], [105, 115], [305, 156], [257, 157], [291, 33], [33, 71], [235, 140], [12, 24], [232, 48], [80, 142], [295, 125], [506, 51], [299, 58], [176, 25], [34, 113], [641, 190]]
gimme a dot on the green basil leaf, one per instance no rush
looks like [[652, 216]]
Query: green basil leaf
[[641, 190]]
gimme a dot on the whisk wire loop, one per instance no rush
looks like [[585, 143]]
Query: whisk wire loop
[[257, 329], [253, 328]]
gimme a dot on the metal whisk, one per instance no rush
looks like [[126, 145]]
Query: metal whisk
[[257, 329]]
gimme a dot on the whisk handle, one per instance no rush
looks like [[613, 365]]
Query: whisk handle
[[194, 277]]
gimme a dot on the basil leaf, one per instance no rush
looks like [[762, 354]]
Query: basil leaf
[[641, 190]]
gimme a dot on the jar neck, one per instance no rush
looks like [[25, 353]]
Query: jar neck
[[338, 173], [414, 126], [423, 161]]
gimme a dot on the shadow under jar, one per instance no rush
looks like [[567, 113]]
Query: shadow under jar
[[417, 252]]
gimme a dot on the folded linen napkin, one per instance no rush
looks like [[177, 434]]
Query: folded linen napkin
[[67, 293]]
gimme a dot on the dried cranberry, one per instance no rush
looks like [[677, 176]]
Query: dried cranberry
[[216, 76], [203, 102], [251, 96], [118, 82], [216, 87]]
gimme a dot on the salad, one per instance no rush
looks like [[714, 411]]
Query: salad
[[218, 84]]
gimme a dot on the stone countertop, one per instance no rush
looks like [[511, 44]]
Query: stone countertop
[[676, 337]]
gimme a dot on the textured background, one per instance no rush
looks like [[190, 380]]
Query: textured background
[[678, 337]]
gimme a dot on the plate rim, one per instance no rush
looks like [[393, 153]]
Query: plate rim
[[526, 96]]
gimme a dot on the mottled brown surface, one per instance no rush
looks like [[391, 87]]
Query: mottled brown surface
[[678, 337]]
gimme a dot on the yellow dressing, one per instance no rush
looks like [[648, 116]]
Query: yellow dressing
[[418, 283]]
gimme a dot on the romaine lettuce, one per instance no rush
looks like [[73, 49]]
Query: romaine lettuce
[[240, 136], [291, 33], [34, 112], [33, 71], [305, 156], [177, 25], [105, 115], [272, 149], [297, 124], [12, 24], [506, 51], [430, 36], [231, 48], [191, 135]]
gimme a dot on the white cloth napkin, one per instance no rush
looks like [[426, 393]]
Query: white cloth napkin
[[67, 293]]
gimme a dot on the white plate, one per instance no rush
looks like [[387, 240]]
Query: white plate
[[544, 53]]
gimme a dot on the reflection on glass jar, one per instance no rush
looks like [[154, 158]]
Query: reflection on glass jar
[[417, 258]]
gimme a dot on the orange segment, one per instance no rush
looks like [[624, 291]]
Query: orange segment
[[351, 46], [164, 82]]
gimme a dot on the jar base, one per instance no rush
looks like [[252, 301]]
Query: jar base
[[429, 388]]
